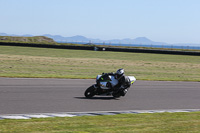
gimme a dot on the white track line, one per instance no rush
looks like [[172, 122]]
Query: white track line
[[95, 113]]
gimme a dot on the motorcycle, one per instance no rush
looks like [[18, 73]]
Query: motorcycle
[[105, 84]]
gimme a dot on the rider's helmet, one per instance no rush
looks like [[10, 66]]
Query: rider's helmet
[[120, 73]]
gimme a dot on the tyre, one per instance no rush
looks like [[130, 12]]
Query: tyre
[[116, 95], [90, 92]]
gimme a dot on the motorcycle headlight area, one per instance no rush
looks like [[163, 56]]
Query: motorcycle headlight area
[[103, 84]]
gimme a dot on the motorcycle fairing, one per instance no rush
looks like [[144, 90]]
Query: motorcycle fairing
[[104, 79]]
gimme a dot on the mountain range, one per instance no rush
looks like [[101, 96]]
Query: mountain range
[[82, 39]]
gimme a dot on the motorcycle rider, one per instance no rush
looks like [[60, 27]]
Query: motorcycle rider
[[123, 82]]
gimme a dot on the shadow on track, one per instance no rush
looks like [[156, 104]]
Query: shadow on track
[[97, 98]]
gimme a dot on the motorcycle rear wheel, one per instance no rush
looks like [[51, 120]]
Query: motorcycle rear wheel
[[116, 95], [90, 92]]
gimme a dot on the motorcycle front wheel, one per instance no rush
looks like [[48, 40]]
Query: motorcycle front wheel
[[90, 92]]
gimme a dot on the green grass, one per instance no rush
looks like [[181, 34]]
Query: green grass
[[64, 63], [126, 123]]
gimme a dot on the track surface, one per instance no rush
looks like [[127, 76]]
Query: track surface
[[21, 95]]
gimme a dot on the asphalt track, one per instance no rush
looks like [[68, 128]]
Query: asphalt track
[[28, 95]]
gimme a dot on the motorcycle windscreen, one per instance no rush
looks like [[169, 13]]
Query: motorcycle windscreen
[[104, 78]]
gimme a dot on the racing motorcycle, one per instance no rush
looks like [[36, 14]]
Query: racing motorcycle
[[104, 86]]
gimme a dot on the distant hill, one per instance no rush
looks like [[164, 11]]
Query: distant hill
[[82, 39], [59, 38], [79, 38], [34, 39]]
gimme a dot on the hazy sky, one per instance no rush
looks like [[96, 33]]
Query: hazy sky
[[171, 21]]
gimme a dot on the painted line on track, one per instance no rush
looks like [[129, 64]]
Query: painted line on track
[[72, 114]]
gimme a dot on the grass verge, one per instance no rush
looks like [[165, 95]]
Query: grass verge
[[157, 122], [64, 63]]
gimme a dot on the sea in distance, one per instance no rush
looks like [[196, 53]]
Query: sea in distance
[[144, 45]]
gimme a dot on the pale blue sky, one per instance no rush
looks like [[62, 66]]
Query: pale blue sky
[[171, 21]]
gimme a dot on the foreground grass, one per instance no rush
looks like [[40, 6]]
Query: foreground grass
[[63, 63], [158, 122]]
